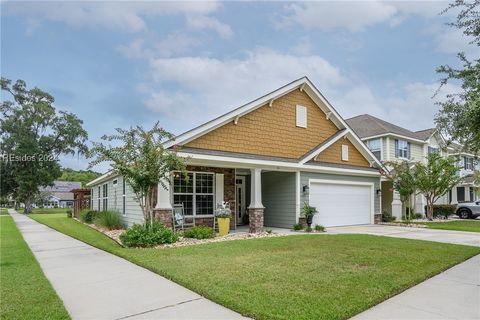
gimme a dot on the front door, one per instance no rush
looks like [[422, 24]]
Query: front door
[[240, 196]]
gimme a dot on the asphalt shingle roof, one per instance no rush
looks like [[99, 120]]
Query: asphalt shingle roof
[[366, 125]]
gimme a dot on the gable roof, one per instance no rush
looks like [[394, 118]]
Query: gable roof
[[61, 186], [305, 85], [426, 133], [366, 125]]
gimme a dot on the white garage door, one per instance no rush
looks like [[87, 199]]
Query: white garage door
[[341, 204]]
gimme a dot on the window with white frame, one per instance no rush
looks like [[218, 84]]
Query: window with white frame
[[468, 163], [105, 197], [402, 149], [432, 150], [375, 145], [124, 212], [301, 116], [196, 191], [98, 208]]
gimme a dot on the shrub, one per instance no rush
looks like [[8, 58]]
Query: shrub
[[269, 231], [88, 216], [443, 210], [417, 216], [298, 226], [387, 217], [308, 229], [69, 213], [319, 228], [148, 236], [108, 219], [199, 232]]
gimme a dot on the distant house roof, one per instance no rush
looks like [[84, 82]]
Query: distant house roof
[[425, 134], [63, 196], [61, 186], [366, 125]]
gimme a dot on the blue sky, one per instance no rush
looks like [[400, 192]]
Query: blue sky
[[119, 64]]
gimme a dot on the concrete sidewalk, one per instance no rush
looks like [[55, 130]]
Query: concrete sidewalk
[[453, 294], [94, 284]]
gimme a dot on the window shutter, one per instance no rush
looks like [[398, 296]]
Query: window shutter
[[465, 163], [344, 152], [218, 188], [301, 116], [396, 148], [408, 150]]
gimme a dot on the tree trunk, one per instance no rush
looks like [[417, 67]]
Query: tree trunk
[[28, 206], [429, 209]]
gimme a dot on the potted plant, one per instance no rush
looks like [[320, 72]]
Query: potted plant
[[309, 211], [223, 214]]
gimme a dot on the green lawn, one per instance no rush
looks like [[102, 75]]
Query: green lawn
[[25, 293], [3, 211], [459, 225], [294, 277], [50, 210]]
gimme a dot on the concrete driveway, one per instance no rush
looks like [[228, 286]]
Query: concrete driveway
[[446, 236]]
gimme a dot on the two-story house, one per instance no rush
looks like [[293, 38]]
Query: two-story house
[[389, 142]]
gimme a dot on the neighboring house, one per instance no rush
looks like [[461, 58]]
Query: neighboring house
[[59, 195], [389, 142], [266, 158]]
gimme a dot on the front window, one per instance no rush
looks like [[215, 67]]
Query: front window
[[468, 163], [105, 197], [432, 150], [402, 149], [375, 146], [195, 191]]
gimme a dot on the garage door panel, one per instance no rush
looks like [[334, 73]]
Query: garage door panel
[[341, 204]]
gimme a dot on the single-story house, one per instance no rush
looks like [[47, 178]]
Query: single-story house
[[59, 195], [266, 158]]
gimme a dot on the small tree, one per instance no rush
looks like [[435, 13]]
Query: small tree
[[404, 181], [142, 161], [436, 177]]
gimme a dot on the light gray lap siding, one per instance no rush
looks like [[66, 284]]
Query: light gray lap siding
[[305, 176], [133, 212], [278, 197]]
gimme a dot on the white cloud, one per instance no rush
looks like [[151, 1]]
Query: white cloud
[[174, 43], [356, 15], [121, 15], [209, 86], [204, 22], [412, 106], [454, 41]]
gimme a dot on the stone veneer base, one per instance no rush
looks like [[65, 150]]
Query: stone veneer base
[[255, 216]]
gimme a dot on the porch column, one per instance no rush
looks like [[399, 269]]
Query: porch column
[[396, 205], [255, 210], [163, 208]]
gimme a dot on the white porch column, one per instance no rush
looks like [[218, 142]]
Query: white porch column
[[256, 189], [396, 205], [454, 195], [420, 204], [255, 210], [163, 196]]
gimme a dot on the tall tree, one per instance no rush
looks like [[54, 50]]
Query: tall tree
[[33, 134], [141, 159], [436, 177], [459, 116]]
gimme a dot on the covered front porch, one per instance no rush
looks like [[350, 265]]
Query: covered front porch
[[258, 197]]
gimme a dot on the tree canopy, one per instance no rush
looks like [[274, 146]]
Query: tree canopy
[[33, 135], [459, 115], [141, 159], [83, 176]]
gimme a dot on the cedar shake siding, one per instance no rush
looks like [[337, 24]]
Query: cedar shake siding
[[333, 154], [271, 131]]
